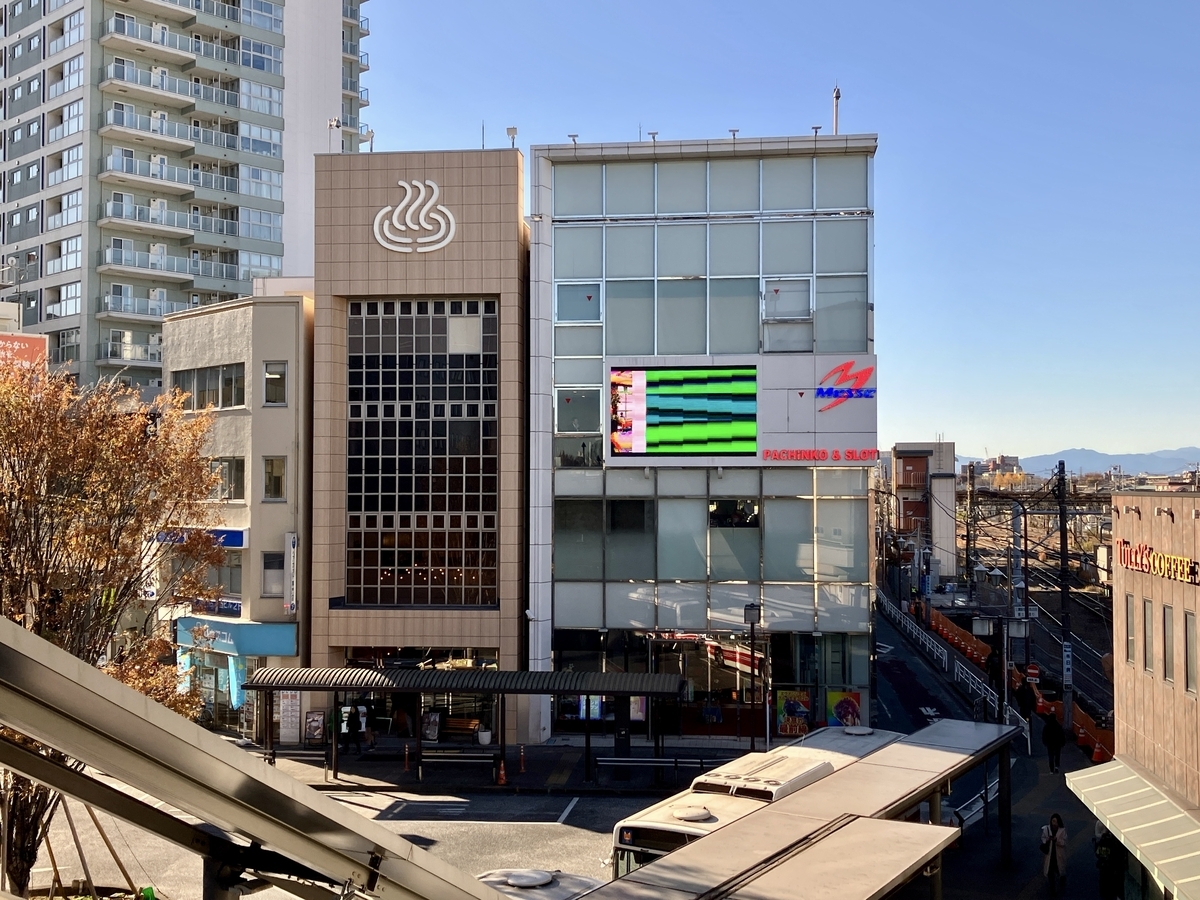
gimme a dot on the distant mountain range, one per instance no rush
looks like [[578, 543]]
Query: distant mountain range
[[1079, 459]]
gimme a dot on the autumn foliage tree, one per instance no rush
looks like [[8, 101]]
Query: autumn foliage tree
[[91, 482]]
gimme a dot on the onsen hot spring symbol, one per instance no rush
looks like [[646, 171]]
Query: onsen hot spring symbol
[[394, 224]]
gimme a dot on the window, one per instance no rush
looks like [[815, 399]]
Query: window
[[221, 387], [1148, 635], [1168, 643], [228, 576], [733, 540], [233, 478], [1189, 650], [1129, 629], [578, 303], [275, 384], [67, 303], [272, 579], [274, 469], [578, 539], [629, 548]]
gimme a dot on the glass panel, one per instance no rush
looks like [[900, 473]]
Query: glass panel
[[841, 482], [629, 606], [577, 252], [843, 607], [842, 246], [733, 249], [575, 482], [733, 540], [578, 411], [579, 303], [275, 383], [577, 190], [576, 341], [629, 251], [787, 482], [682, 483], [860, 660], [1189, 649], [630, 483], [788, 338], [578, 539], [727, 606], [1129, 628], [841, 315], [787, 540], [842, 534], [787, 184], [682, 539], [841, 182], [629, 549], [733, 184], [787, 248], [733, 315], [272, 578], [681, 318], [579, 451], [681, 250], [681, 187], [733, 482], [578, 606], [577, 371], [630, 318], [683, 606], [788, 607], [789, 299], [630, 188]]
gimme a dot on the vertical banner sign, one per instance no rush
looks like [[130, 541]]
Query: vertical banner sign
[[290, 543], [289, 717], [1067, 680]]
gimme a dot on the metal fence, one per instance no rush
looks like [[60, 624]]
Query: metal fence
[[923, 639]]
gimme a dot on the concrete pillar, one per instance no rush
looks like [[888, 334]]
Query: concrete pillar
[[1005, 804], [935, 818]]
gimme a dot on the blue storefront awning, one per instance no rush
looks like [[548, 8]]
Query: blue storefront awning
[[237, 638]]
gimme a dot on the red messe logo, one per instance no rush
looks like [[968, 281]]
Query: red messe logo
[[845, 374]]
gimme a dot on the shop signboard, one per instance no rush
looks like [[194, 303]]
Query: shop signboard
[[843, 707], [792, 709], [23, 350]]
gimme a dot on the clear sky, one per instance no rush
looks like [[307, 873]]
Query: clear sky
[[1037, 251]]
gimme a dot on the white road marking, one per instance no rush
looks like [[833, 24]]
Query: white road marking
[[566, 812], [883, 649]]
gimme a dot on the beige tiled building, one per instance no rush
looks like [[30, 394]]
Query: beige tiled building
[[1149, 796], [419, 514]]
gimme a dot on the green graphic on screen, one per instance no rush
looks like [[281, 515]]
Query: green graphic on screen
[[684, 412]]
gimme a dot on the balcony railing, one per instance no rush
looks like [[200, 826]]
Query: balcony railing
[[148, 124], [349, 11], [159, 81], [160, 35], [129, 352], [69, 83], [147, 215], [65, 40], [182, 265], [64, 129], [350, 85], [350, 48], [66, 354], [153, 169], [235, 14], [364, 60], [64, 263], [141, 306], [68, 216], [364, 95]]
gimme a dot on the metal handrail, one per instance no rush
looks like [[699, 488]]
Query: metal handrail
[[905, 623]]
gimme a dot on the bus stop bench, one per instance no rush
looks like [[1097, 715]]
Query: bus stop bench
[[457, 756], [657, 764], [458, 727]]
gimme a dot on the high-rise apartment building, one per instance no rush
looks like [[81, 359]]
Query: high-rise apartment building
[[151, 148]]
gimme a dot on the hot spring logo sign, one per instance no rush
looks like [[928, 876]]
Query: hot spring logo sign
[[421, 215], [845, 375]]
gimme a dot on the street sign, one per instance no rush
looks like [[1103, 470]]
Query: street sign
[[1033, 673], [1025, 612], [1066, 656]]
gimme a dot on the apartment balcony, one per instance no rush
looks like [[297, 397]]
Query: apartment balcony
[[364, 97], [140, 264], [151, 131], [145, 220], [163, 10], [155, 175], [203, 226], [910, 480], [350, 12], [245, 15], [68, 216], [364, 26], [64, 355], [154, 87], [111, 353], [148, 41], [138, 308], [350, 48], [349, 85], [364, 61]]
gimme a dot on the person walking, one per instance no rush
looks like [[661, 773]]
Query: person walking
[[1054, 853], [1026, 700], [1054, 738], [353, 733]]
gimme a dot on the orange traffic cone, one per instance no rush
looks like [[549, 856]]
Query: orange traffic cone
[[502, 779], [522, 759], [1100, 754]]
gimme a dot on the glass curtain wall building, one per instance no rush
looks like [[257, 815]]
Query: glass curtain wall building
[[145, 154], [702, 317]]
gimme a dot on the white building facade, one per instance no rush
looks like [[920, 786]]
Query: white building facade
[[151, 149], [703, 426]]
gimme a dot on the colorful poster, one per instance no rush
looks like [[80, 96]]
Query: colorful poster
[[792, 709], [704, 411], [637, 709], [843, 707]]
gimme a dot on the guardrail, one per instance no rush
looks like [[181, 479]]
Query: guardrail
[[905, 623], [979, 689]]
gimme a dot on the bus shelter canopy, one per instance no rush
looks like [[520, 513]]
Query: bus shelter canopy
[[466, 681]]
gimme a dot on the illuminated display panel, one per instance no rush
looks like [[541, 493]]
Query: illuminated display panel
[[697, 411]]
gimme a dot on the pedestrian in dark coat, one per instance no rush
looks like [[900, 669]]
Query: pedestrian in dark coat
[[1054, 738]]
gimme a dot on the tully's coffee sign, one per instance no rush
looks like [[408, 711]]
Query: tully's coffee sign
[[1144, 558]]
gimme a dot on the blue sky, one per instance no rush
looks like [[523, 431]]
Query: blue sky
[[1036, 249]]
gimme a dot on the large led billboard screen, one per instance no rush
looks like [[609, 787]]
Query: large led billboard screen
[[696, 411]]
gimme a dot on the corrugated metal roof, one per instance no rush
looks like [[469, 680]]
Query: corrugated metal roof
[[470, 681]]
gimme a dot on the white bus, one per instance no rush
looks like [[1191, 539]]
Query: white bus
[[736, 789]]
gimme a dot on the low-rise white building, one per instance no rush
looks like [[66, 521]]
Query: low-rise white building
[[250, 361]]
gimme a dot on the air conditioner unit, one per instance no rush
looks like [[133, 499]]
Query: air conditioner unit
[[155, 340], [158, 161], [159, 294]]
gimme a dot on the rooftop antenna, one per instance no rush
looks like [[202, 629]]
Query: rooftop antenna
[[574, 139], [837, 95], [653, 136], [734, 131], [483, 135], [815, 129], [511, 131]]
